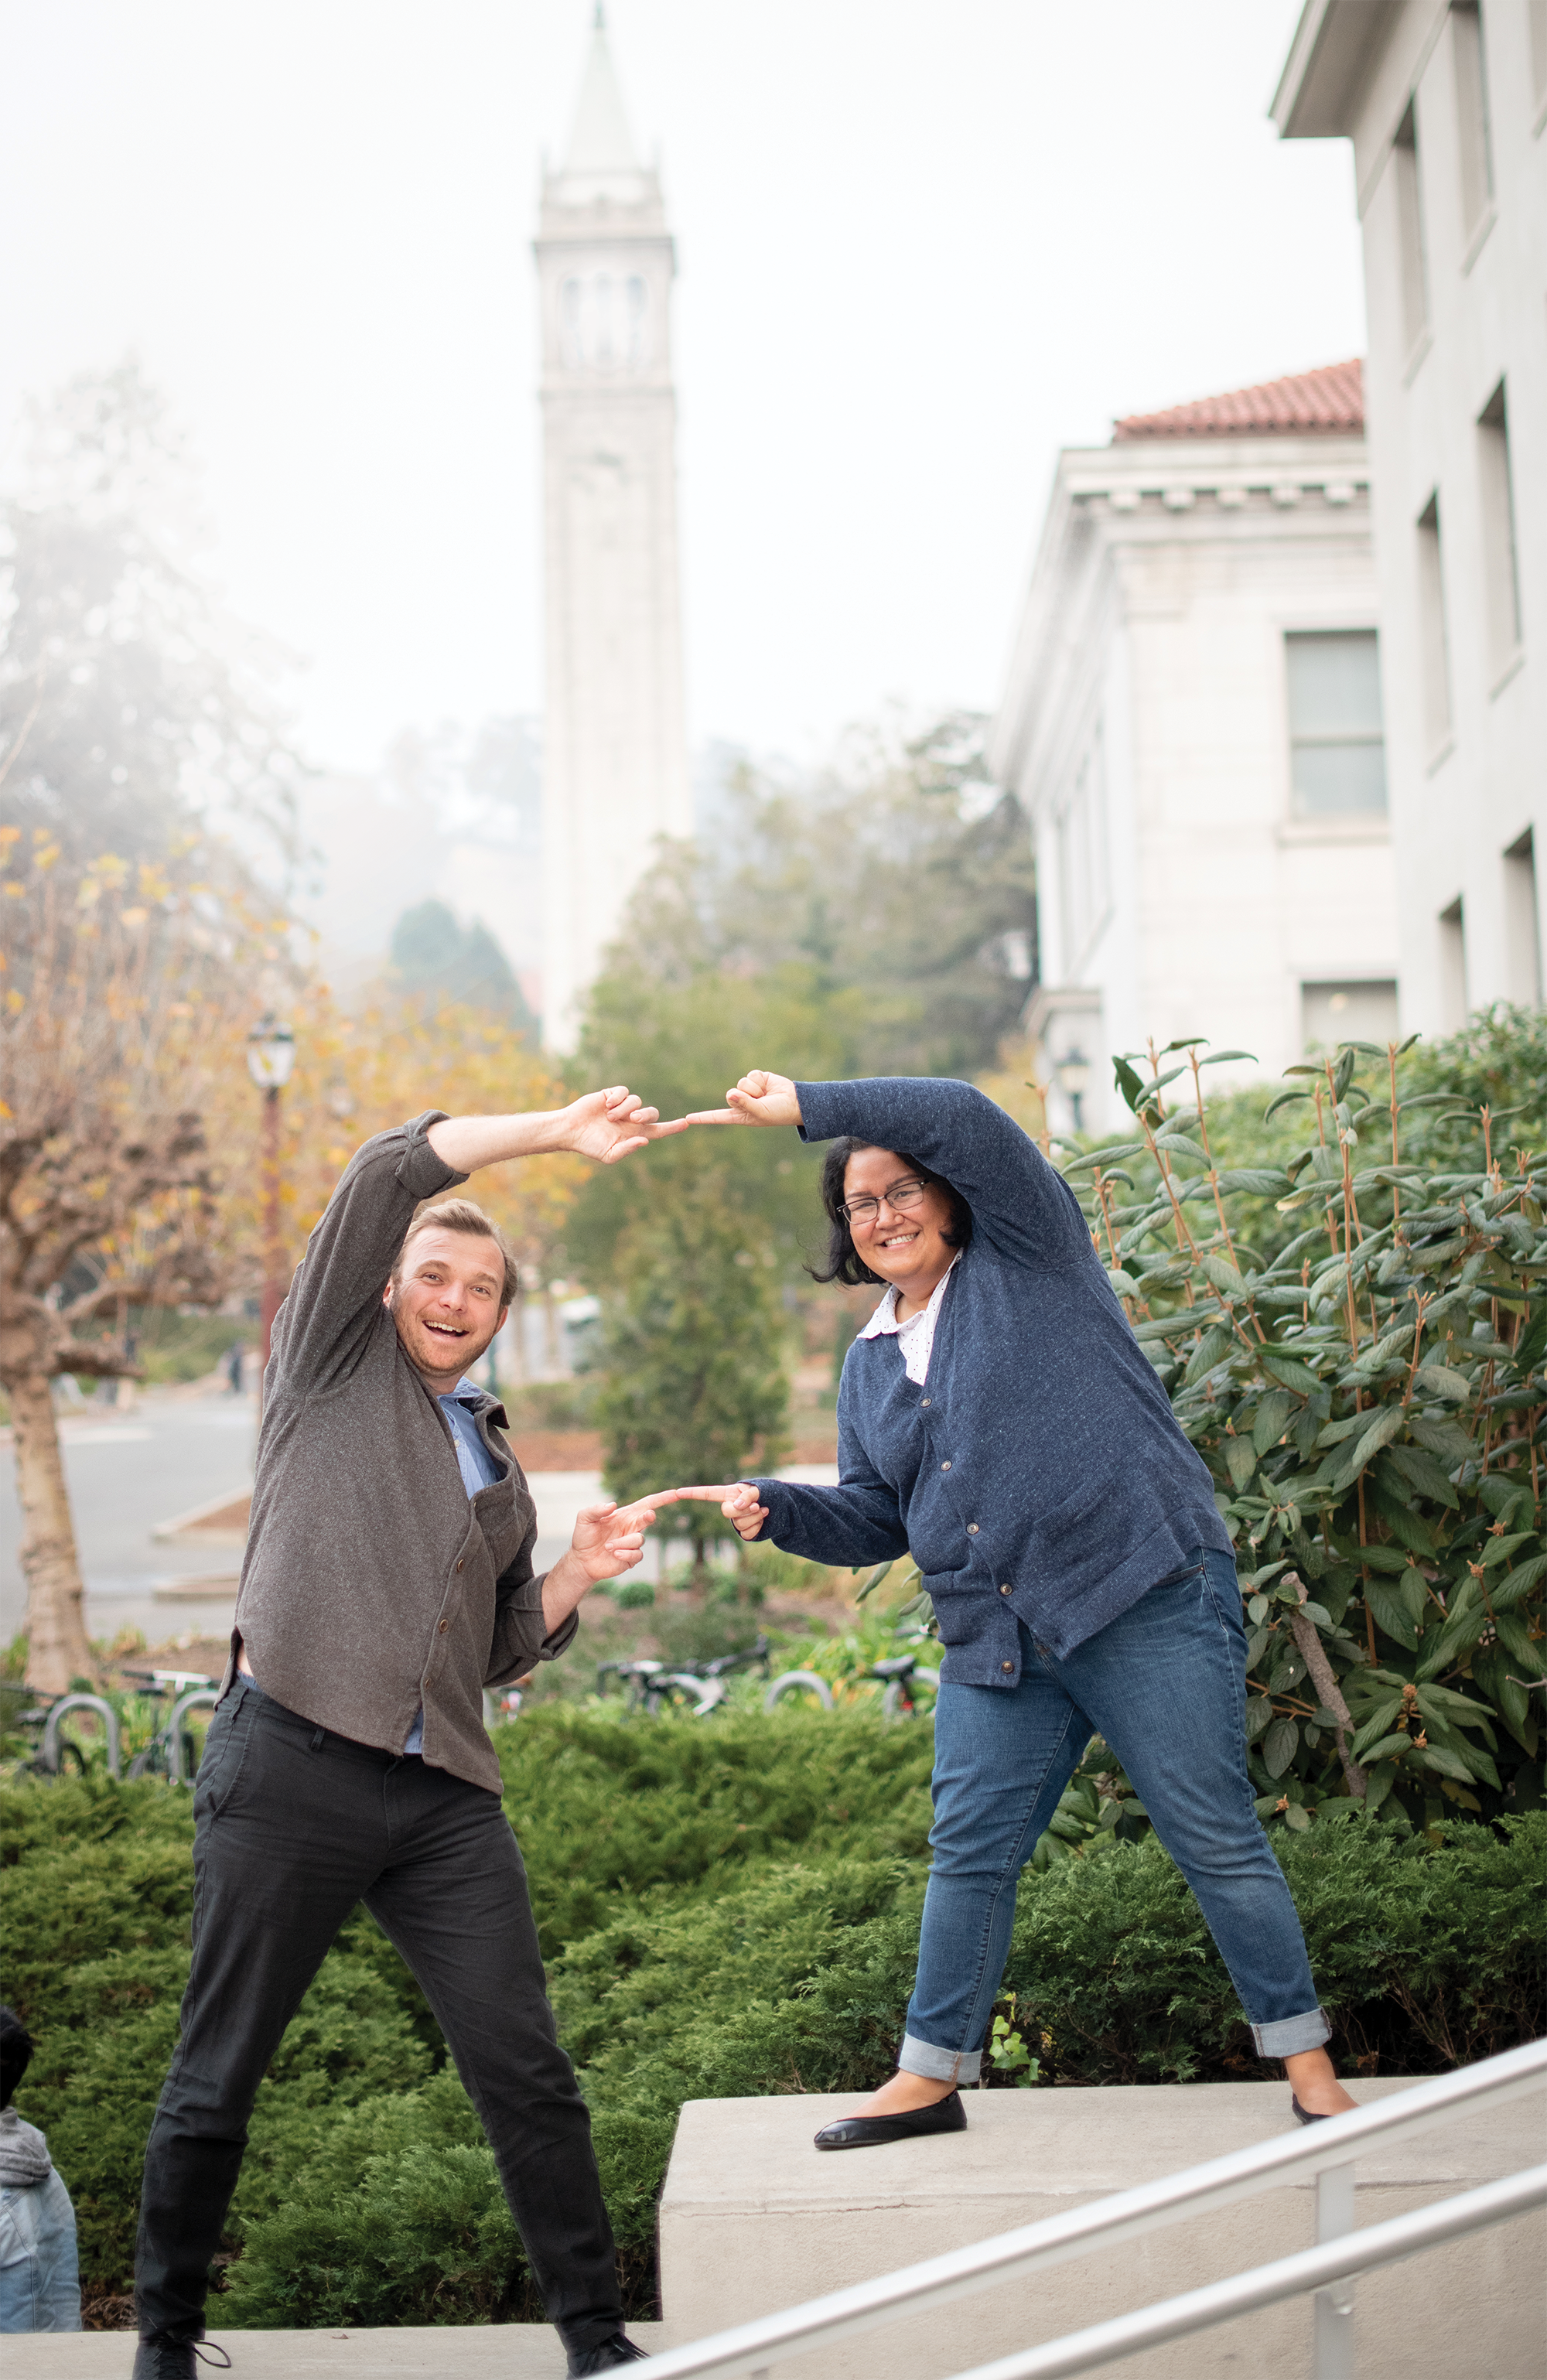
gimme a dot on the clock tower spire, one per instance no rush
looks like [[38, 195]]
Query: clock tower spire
[[615, 742]]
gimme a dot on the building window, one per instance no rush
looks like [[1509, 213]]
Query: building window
[[1337, 759], [1522, 924], [1453, 968], [604, 320], [1331, 1013], [1498, 528], [1471, 112], [1434, 641], [1410, 230]]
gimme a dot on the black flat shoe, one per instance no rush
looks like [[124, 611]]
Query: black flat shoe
[[948, 2115], [1304, 2115]]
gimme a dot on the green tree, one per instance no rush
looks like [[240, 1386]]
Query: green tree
[[681, 1045], [693, 1355], [897, 876], [433, 951]]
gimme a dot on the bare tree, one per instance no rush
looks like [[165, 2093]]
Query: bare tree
[[126, 990]]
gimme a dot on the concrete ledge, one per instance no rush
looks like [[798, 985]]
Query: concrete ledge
[[753, 2220], [518, 2350]]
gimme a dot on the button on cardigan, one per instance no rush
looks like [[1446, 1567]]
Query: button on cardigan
[[1044, 1459]]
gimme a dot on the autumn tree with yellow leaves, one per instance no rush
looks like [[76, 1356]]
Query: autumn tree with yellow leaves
[[126, 993]]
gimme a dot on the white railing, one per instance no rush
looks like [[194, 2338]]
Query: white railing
[[1327, 2150]]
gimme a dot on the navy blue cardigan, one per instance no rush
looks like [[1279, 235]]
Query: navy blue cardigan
[[1041, 1455]]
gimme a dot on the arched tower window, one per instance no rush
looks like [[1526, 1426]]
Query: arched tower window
[[604, 321]]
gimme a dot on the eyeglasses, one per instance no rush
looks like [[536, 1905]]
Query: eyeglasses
[[901, 1197]]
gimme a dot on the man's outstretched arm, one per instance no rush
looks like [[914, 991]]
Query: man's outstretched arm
[[334, 1300], [603, 1124]]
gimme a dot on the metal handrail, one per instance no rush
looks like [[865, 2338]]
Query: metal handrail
[[1312, 2268], [1317, 2149], [49, 1754]]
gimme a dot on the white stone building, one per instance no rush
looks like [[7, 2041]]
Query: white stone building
[[615, 751], [1445, 103], [1193, 719]]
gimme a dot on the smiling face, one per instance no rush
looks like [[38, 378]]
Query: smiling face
[[447, 1305], [907, 1246]]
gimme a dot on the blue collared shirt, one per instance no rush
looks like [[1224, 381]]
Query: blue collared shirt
[[478, 1468]]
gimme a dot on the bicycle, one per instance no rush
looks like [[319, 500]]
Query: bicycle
[[901, 1675], [172, 1751], [699, 1687], [791, 1682], [651, 1687]]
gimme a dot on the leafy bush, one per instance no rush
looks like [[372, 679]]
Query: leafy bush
[[1370, 1399], [731, 1908]]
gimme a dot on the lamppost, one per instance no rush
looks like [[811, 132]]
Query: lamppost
[[270, 1053], [1073, 1071]]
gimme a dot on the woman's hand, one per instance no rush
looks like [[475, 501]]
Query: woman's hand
[[739, 1502], [608, 1124], [758, 1098]]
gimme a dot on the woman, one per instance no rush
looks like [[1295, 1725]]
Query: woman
[[998, 1419]]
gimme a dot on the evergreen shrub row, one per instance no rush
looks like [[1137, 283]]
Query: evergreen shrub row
[[726, 1909]]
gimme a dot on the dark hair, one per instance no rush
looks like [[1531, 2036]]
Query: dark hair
[[843, 1261], [16, 2053]]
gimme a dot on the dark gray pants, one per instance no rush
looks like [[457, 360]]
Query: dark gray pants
[[293, 1827]]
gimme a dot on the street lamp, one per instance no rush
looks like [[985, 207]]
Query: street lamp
[[270, 1053], [1073, 1071]]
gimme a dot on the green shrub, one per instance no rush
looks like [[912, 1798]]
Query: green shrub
[[1368, 1395], [727, 1908]]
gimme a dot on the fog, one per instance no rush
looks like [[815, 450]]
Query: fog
[[921, 246]]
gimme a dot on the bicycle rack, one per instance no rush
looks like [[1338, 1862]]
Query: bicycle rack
[[49, 1754], [206, 1694], [806, 1680]]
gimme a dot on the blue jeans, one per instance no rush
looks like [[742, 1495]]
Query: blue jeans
[[1166, 1685]]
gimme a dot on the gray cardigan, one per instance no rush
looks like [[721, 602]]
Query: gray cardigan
[[1039, 1474], [372, 1582]]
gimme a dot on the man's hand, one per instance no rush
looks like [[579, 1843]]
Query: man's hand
[[609, 1540], [603, 1124], [608, 1124], [758, 1098], [739, 1502]]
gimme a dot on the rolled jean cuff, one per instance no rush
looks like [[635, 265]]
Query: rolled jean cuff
[[940, 2065], [1290, 2035]]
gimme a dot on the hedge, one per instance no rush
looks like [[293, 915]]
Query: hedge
[[726, 1909]]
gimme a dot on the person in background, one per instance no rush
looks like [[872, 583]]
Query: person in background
[[39, 2283], [998, 1419]]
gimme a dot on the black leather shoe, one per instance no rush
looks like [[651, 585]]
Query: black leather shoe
[[948, 2115], [1304, 2115], [618, 2349], [170, 2355]]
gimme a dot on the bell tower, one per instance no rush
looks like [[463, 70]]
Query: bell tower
[[614, 748]]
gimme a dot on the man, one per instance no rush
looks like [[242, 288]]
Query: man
[[388, 1579]]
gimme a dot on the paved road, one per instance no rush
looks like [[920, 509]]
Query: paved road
[[128, 1472]]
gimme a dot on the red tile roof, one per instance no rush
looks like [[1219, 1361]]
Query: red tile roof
[[1330, 399]]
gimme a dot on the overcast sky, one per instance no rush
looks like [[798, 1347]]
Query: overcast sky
[[922, 244]]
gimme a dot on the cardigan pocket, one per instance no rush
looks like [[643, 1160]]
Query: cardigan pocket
[[1055, 1536]]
